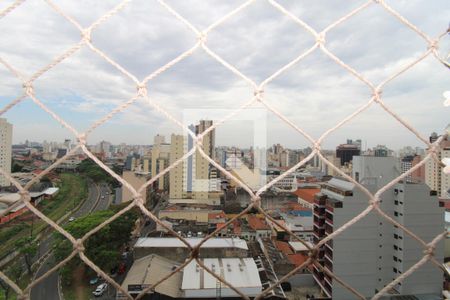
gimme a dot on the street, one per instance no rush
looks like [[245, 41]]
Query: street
[[48, 289]]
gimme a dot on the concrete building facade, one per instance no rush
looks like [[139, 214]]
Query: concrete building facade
[[5, 150], [435, 178], [373, 252]]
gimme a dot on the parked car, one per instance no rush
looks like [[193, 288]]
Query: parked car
[[122, 269], [100, 290], [95, 280], [71, 219]]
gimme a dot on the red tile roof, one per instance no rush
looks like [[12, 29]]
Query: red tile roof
[[283, 247], [297, 259], [219, 215], [256, 223], [220, 225], [307, 194], [236, 227]]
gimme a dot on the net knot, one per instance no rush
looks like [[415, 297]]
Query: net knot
[[434, 44], [256, 200], [320, 39], [141, 89], [78, 245], [313, 253], [377, 94], [82, 139], [374, 202], [434, 149], [199, 141], [138, 200], [25, 195], [429, 250], [28, 87], [202, 37], [317, 146], [195, 252], [258, 93], [86, 35]]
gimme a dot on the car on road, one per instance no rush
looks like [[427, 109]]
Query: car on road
[[94, 280], [71, 219], [100, 289], [103, 197]]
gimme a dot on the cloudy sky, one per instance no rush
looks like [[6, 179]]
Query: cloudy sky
[[315, 94]]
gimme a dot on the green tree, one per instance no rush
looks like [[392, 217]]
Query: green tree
[[14, 273], [27, 248], [103, 248], [95, 172]]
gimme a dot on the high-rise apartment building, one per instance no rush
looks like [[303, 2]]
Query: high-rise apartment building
[[160, 159], [435, 178], [192, 177], [406, 164], [345, 152], [373, 252], [5, 149], [202, 166], [176, 174]]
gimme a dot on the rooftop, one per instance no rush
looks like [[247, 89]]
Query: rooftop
[[149, 270], [298, 246], [297, 259], [240, 272], [256, 223], [307, 194], [154, 242]]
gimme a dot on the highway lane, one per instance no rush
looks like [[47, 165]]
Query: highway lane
[[47, 289]]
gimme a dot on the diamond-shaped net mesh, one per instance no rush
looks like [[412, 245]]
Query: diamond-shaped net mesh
[[258, 96]]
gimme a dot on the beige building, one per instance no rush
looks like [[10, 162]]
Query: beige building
[[176, 174], [5, 149], [202, 166], [190, 179], [136, 179], [335, 161], [198, 215], [160, 158], [435, 178]]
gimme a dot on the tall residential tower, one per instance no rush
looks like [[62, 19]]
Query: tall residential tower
[[5, 149]]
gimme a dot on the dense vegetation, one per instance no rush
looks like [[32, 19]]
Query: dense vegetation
[[104, 247], [89, 168]]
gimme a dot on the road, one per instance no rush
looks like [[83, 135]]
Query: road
[[47, 289]]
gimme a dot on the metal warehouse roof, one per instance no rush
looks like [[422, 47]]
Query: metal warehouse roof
[[298, 246], [150, 242], [149, 270], [240, 272]]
